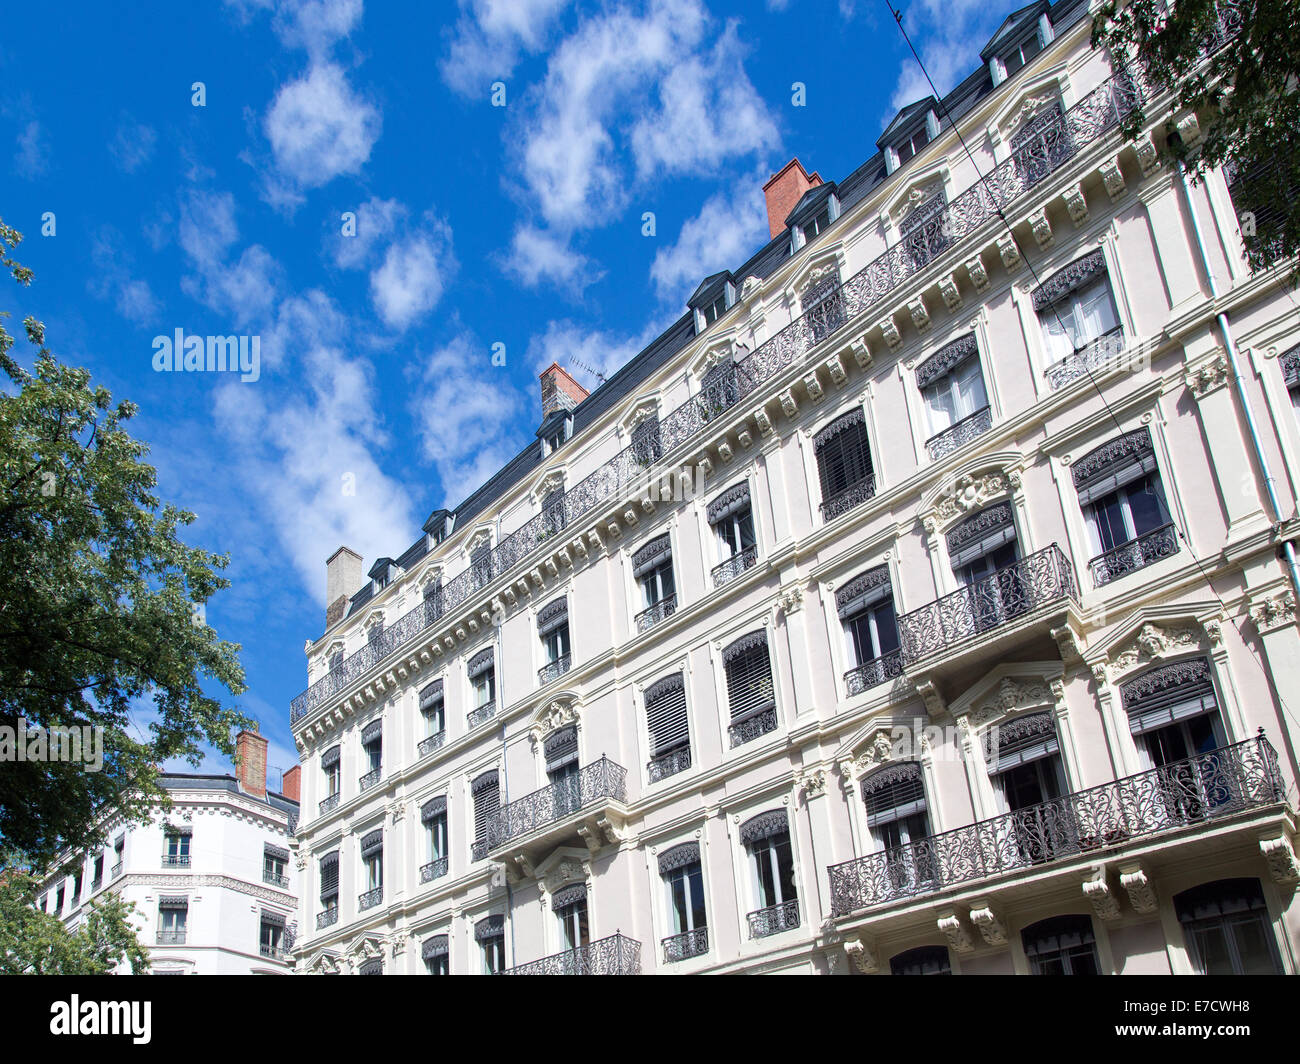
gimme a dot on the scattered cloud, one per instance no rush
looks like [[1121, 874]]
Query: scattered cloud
[[722, 235], [489, 38], [949, 35], [587, 354], [112, 280], [313, 25], [376, 221], [414, 272], [539, 255], [32, 159], [132, 145]]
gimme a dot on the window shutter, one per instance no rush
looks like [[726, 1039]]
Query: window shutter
[[1019, 741], [431, 697], [654, 554], [863, 592], [1049, 937], [489, 927], [371, 967], [843, 454], [561, 748], [1082, 271], [688, 853], [946, 359], [487, 801], [173, 901], [480, 663], [573, 894], [732, 501], [433, 808], [749, 676], [372, 732], [330, 758], [1168, 693], [372, 843], [1112, 465], [764, 826], [435, 947], [893, 792], [980, 534], [274, 919], [1221, 898], [329, 876], [552, 616], [278, 852], [665, 710]]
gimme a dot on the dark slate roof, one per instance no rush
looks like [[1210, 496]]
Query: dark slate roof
[[1012, 27], [905, 116], [707, 285], [810, 203], [206, 781]]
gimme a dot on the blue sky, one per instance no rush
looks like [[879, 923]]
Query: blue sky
[[475, 225]]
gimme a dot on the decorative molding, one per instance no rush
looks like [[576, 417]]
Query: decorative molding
[[1076, 204], [1013, 693], [1141, 892], [1281, 858], [790, 599], [1147, 155], [956, 934], [889, 329], [1151, 643], [1103, 900], [193, 882], [978, 275], [558, 713], [1274, 612], [1041, 227], [1207, 375], [862, 952], [950, 292], [1113, 178], [990, 925], [813, 782], [920, 314], [965, 495], [1010, 253]]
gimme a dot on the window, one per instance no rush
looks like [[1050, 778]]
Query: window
[[482, 678], [487, 802], [1254, 193], [1076, 309], [720, 389], [374, 966], [336, 661], [713, 311], [480, 563], [866, 611], [490, 934], [956, 404], [924, 960], [751, 694], [331, 767], [670, 741], [172, 914], [816, 225], [176, 853], [570, 907], [822, 302], [433, 815], [844, 464], [1228, 928], [1024, 761], [97, 875], [913, 144], [372, 863], [1063, 945], [767, 838], [652, 568], [329, 890], [924, 231], [1290, 363], [119, 853], [433, 601], [899, 821], [732, 520], [58, 900], [272, 936], [553, 513], [436, 954], [76, 886], [432, 712], [374, 630], [647, 447], [683, 879], [553, 629], [982, 549], [1124, 507], [372, 751], [1041, 145], [275, 861]]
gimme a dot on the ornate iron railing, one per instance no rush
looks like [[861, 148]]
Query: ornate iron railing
[[727, 571], [432, 743], [327, 918], [1042, 577], [176, 860], [616, 955], [276, 879], [275, 953], [669, 764], [482, 714], [553, 670], [774, 919], [116, 870], [751, 728], [874, 672], [1200, 789], [600, 781], [171, 938], [369, 779], [1095, 355], [1128, 557], [329, 802], [686, 945], [852, 496], [1088, 120], [435, 869], [370, 898], [957, 435], [661, 610]]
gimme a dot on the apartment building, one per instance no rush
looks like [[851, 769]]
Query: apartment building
[[214, 878], [920, 602]]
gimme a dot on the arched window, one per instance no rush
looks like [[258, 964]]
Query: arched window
[[1228, 928], [1061, 945], [924, 960]]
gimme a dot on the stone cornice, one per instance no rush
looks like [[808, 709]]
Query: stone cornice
[[188, 881]]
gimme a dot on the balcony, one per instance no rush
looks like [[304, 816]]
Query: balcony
[[1086, 123], [852, 496], [956, 436], [176, 860], [171, 938], [616, 955], [1019, 592], [328, 918], [752, 727], [274, 953], [669, 764], [553, 670], [435, 869], [660, 611], [329, 803], [482, 714], [276, 879], [432, 743], [735, 565], [1085, 824], [686, 945], [116, 871], [369, 780], [874, 672], [1095, 356], [774, 919], [547, 817], [370, 899], [1128, 557]]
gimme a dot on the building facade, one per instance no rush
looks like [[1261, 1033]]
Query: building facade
[[919, 602], [213, 879]]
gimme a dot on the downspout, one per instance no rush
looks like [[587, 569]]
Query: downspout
[[1230, 346]]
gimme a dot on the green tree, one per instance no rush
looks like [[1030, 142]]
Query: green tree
[[37, 943], [1236, 65], [100, 605]]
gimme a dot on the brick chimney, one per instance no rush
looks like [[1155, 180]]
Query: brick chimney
[[783, 190], [250, 762], [343, 576], [291, 783], [559, 391]]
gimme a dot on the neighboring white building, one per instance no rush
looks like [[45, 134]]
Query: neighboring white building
[[214, 879], [965, 651]]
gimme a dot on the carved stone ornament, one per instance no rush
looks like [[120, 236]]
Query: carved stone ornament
[[955, 932], [950, 292], [990, 925], [1041, 227], [717, 354], [1276, 611], [966, 494], [1113, 177], [1101, 897], [822, 272], [978, 275], [480, 538], [1147, 155], [1141, 892], [889, 329], [1281, 858], [1152, 643], [644, 412], [920, 313], [813, 782], [560, 713], [549, 483], [789, 599], [1009, 252], [862, 953], [1012, 693], [1208, 375], [1076, 204]]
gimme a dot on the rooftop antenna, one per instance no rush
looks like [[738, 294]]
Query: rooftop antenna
[[583, 366]]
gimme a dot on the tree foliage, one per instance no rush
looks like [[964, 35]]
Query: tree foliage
[[1237, 66], [98, 599]]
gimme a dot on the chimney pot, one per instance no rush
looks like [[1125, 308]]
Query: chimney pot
[[783, 190], [559, 390], [343, 576], [291, 783], [250, 762]]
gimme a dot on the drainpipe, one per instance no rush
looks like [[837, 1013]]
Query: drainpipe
[[1230, 345]]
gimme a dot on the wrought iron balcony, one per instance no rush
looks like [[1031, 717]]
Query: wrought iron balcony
[[435, 869], [1014, 591], [958, 435], [553, 670], [482, 714], [774, 919], [277, 879], [1195, 791], [686, 945], [726, 572], [752, 727], [1128, 557], [275, 953], [598, 783], [1089, 120], [370, 898], [116, 871], [874, 672], [369, 779], [432, 743], [669, 764], [846, 500], [327, 918], [660, 611], [171, 938], [616, 955], [176, 860], [329, 803], [1096, 355]]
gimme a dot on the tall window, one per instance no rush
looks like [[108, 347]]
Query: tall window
[[553, 629], [982, 548], [119, 853], [329, 890], [272, 935], [490, 934], [924, 960], [652, 568], [275, 863], [433, 815], [372, 751], [97, 874], [482, 678], [719, 389], [866, 611], [372, 861], [646, 445], [666, 723], [570, 908], [1228, 930], [436, 954], [58, 900], [822, 303], [561, 750], [924, 235], [480, 563], [177, 847], [374, 630], [172, 915], [844, 464], [487, 802], [1075, 306], [1024, 761], [767, 838], [899, 821], [732, 520], [331, 769], [76, 886], [434, 717], [1062, 945], [553, 512], [1043, 142], [751, 694], [683, 879], [956, 404], [433, 600]]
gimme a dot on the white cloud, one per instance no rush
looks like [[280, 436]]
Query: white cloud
[[722, 235], [376, 220], [132, 145], [490, 37], [414, 272], [587, 354], [320, 128], [314, 25], [244, 288], [538, 255], [32, 158], [949, 35], [112, 280]]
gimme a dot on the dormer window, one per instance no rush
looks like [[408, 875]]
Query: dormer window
[[910, 131], [1022, 36], [438, 526], [556, 430], [383, 573], [715, 296], [813, 215]]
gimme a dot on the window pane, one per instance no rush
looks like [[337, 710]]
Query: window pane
[[1254, 943], [1146, 506], [1210, 942]]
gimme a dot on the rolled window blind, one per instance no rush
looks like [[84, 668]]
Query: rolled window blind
[[665, 710], [749, 676]]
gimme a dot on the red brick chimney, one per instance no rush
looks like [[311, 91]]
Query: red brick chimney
[[291, 783], [783, 190], [559, 390], [250, 762], [342, 579]]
